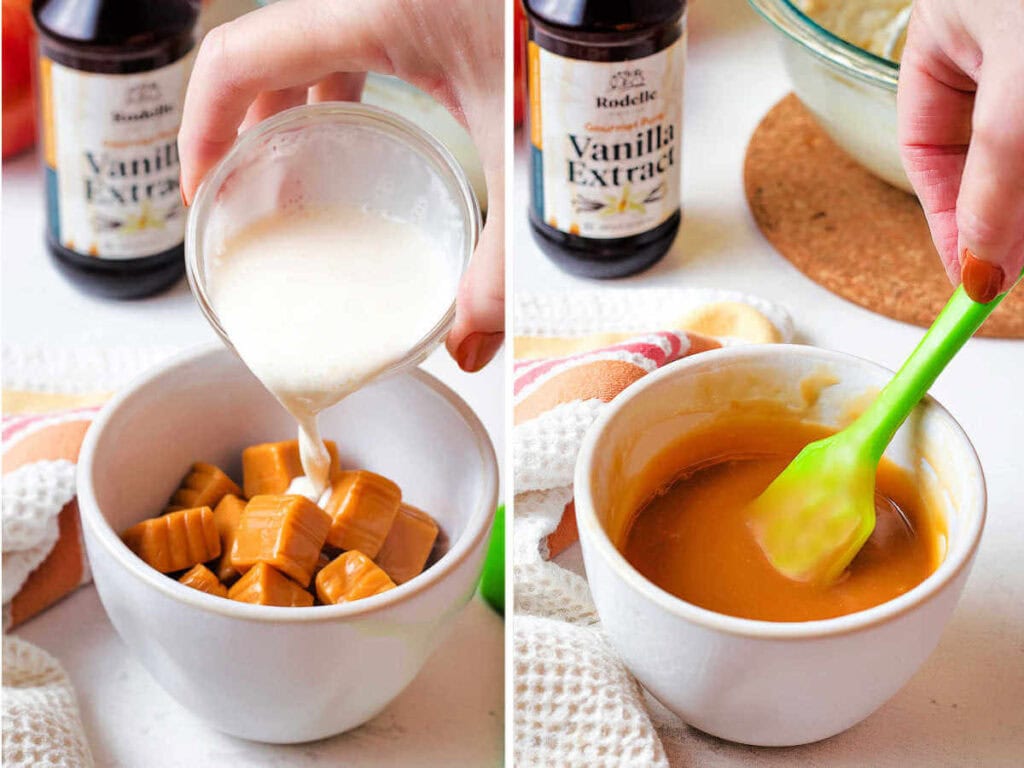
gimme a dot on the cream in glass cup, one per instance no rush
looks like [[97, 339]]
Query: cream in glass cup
[[326, 248]]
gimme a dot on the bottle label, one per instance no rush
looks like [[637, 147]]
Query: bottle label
[[111, 159], [605, 141]]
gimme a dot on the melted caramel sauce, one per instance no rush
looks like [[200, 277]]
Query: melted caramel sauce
[[693, 541]]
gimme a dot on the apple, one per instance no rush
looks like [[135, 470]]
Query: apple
[[19, 112], [518, 63]]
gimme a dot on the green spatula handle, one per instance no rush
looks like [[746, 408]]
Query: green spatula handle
[[957, 322]]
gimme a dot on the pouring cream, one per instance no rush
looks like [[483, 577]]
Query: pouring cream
[[318, 302]]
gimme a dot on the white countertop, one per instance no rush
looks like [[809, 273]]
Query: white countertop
[[966, 705], [452, 716]]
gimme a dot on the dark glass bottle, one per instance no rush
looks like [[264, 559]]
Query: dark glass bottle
[[605, 116], [112, 76]]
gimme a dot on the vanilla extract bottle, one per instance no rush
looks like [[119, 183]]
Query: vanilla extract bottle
[[112, 77], [605, 81]]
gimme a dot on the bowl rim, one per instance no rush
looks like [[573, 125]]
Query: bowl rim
[[834, 50], [593, 533], [478, 524], [339, 115]]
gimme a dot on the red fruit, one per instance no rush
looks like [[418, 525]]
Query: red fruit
[[519, 63], [18, 107], [19, 125]]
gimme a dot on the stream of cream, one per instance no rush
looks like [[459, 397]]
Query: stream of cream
[[317, 303]]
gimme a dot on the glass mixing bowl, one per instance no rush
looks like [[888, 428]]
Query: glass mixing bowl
[[850, 91]]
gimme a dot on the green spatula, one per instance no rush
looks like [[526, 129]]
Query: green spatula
[[814, 517]]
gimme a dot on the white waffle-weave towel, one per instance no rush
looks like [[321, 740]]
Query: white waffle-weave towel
[[51, 390], [40, 721]]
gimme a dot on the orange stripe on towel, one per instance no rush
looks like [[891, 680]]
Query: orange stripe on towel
[[58, 574], [601, 379], [49, 443], [49, 437], [699, 343], [566, 534]]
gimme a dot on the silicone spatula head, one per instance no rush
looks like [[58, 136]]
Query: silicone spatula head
[[814, 517]]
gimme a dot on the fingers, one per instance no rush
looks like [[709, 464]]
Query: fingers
[[935, 102], [270, 103], [260, 63], [479, 328], [990, 207], [480, 317], [277, 48], [340, 86], [963, 145]]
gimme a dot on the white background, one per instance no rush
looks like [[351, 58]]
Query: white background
[[451, 716], [966, 705]]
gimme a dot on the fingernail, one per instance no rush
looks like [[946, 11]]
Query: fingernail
[[476, 349], [982, 280], [181, 189]]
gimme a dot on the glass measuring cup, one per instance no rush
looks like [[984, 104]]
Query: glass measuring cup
[[336, 153]]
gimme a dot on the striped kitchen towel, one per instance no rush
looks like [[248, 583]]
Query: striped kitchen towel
[[50, 397]]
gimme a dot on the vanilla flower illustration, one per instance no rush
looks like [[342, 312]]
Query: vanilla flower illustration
[[622, 204], [145, 219]]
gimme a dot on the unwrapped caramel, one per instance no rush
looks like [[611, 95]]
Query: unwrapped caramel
[[226, 517], [408, 544], [283, 549], [262, 585], [286, 532], [349, 577], [269, 468], [200, 577], [175, 541], [362, 506], [204, 486]]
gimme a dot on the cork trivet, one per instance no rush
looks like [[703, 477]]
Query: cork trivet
[[848, 231]]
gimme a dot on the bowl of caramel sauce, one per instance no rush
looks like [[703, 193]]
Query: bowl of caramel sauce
[[688, 599]]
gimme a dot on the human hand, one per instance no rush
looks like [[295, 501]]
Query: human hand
[[298, 51], [961, 128]]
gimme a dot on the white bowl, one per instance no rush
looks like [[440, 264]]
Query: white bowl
[[262, 672], [758, 682], [850, 91]]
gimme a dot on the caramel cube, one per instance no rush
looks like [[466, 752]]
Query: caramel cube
[[200, 577], [204, 486], [408, 545], [175, 541], [226, 517], [351, 576], [362, 507], [269, 468], [262, 585], [286, 532], [327, 554]]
